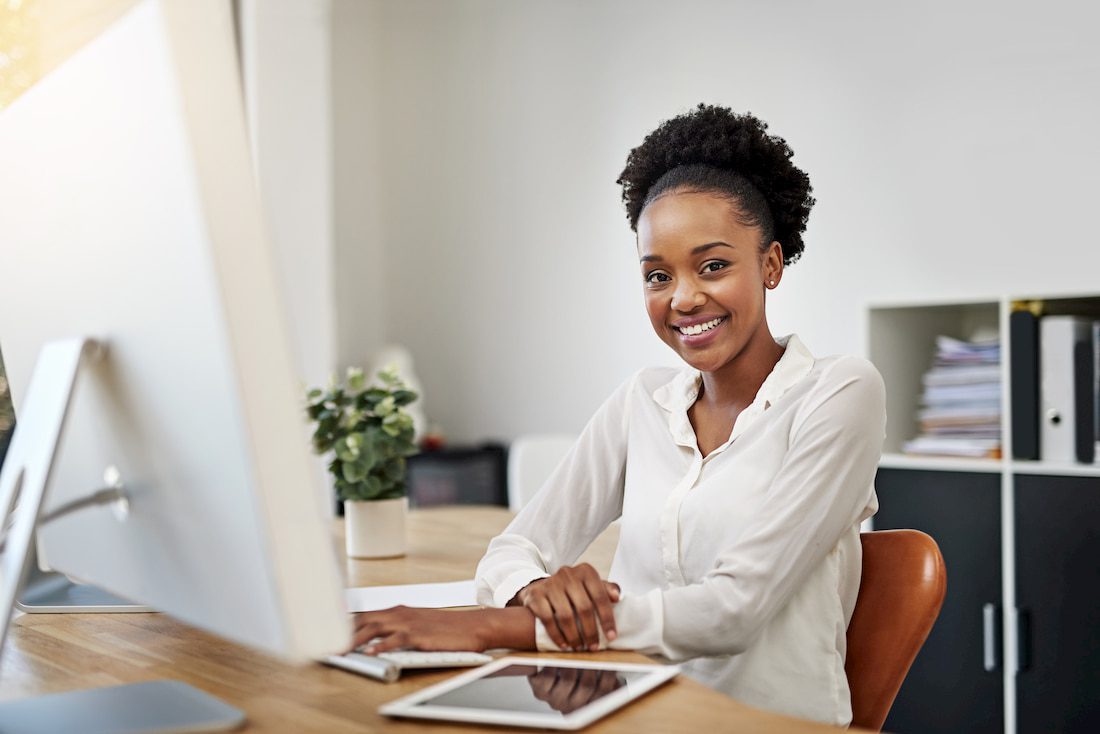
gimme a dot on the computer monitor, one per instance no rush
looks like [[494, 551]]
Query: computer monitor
[[129, 215]]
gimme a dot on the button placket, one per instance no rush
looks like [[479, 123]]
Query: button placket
[[670, 522]]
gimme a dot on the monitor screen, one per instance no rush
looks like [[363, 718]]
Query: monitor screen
[[129, 215]]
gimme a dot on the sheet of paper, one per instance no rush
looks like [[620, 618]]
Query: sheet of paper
[[449, 594]]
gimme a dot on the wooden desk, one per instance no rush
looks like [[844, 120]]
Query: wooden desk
[[48, 653]]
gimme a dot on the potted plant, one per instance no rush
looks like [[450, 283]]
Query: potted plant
[[369, 435]]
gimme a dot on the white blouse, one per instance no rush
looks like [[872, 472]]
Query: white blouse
[[744, 563]]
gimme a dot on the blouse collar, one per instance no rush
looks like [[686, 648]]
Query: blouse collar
[[677, 395]]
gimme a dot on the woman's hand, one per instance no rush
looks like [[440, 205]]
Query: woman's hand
[[569, 603], [441, 629]]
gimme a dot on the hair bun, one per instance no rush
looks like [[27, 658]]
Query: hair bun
[[716, 137]]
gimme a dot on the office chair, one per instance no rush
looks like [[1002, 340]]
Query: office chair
[[900, 595]]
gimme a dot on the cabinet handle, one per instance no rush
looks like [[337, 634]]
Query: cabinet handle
[[990, 638], [1023, 640]]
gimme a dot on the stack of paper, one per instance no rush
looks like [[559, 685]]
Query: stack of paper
[[434, 596], [960, 411]]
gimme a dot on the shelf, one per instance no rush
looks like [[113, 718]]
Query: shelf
[[941, 463], [1040, 468], [991, 466]]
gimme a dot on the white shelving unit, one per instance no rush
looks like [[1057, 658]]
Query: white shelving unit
[[901, 343]]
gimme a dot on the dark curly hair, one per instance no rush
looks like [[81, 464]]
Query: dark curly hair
[[712, 149]]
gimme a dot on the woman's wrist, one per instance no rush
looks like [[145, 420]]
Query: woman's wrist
[[510, 627]]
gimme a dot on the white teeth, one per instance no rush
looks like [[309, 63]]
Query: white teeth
[[700, 328]]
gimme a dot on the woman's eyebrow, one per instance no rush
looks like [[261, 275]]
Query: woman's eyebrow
[[694, 251]]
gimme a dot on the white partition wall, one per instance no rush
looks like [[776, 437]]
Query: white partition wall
[[286, 62]]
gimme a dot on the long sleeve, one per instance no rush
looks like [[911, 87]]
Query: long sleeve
[[821, 489], [579, 500]]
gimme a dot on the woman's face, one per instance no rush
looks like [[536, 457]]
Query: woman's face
[[704, 277]]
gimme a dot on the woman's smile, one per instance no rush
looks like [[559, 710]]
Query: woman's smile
[[697, 333]]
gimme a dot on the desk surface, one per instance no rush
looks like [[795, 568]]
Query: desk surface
[[48, 653]]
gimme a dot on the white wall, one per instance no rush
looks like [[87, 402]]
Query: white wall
[[951, 145]]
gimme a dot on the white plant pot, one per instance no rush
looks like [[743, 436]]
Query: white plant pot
[[375, 528]]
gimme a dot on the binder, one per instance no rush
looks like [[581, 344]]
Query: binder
[[1084, 399], [1059, 390], [1023, 327], [1096, 388]]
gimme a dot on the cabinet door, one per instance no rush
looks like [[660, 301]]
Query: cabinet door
[[1058, 595], [948, 689]]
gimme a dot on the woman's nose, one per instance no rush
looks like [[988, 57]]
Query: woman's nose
[[687, 296]]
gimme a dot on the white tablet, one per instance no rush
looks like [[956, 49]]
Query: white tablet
[[549, 693]]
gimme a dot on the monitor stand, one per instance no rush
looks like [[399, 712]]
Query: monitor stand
[[46, 592], [155, 707]]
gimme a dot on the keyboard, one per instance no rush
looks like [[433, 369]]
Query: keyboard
[[387, 666], [412, 659]]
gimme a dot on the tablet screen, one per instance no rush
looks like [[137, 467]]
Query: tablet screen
[[536, 689], [551, 693]]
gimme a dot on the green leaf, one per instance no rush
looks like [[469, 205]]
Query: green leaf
[[374, 396], [353, 472], [349, 420], [314, 394], [389, 376], [347, 448], [394, 469], [356, 379], [393, 491], [375, 439], [404, 397]]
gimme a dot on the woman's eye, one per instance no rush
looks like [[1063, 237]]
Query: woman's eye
[[657, 277], [714, 266]]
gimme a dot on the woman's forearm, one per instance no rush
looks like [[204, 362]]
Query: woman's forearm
[[511, 627]]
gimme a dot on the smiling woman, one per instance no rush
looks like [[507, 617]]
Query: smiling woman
[[741, 479]]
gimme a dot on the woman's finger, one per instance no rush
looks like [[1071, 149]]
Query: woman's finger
[[566, 618], [393, 641], [364, 632], [541, 608], [604, 606], [585, 611]]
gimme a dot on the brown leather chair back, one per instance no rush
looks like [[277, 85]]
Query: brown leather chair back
[[900, 595]]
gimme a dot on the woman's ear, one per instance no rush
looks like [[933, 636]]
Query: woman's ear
[[772, 265]]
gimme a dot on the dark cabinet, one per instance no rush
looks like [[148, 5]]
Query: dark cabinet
[[956, 683], [1058, 598]]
